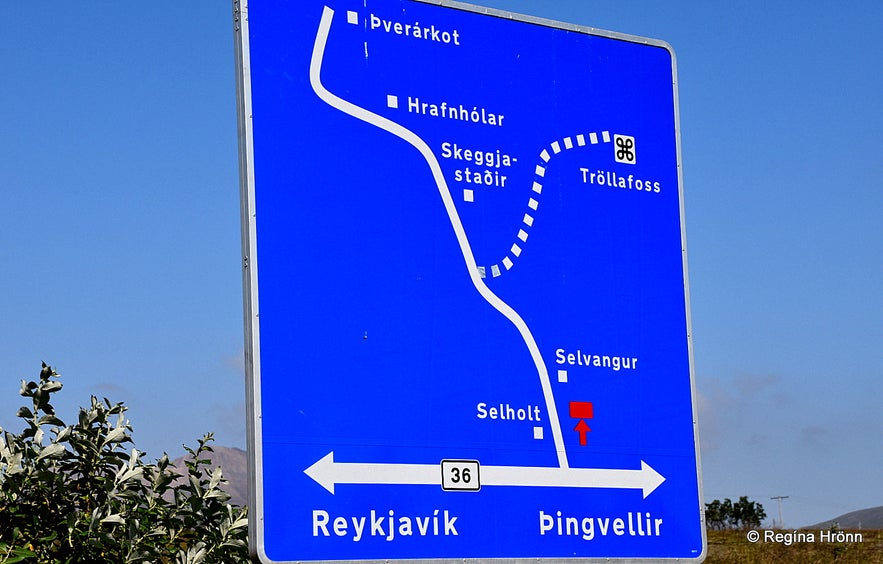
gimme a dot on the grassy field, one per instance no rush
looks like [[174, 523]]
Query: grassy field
[[733, 547]]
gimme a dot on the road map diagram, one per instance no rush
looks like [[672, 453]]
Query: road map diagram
[[466, 288]]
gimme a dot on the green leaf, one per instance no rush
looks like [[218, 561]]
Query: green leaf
[[53, 450], [125, 474], [27, 388], [50, 420], [242, 522], [194, 483], [13, 465], [63, 435], [115, 519], [52, 386], [234, 543], [217, 494], [216, 478], [162, 480], [48, 538], [24, 413], [17, 554], [116, 435]]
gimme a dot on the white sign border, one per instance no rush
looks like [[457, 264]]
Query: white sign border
[[250, 281]]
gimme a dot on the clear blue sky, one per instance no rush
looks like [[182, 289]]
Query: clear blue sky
[[120, 232]]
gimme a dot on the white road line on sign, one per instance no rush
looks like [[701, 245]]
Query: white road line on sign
[[450, 207], [328, 474]]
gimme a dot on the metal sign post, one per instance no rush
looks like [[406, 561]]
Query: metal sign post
[[467, 315]]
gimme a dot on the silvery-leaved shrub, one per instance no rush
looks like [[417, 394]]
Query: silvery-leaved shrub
[[83, 493]]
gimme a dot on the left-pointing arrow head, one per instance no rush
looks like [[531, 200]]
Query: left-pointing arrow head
[[327, 473], [323, 471]]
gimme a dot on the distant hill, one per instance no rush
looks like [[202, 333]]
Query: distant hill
[[871, 518], [234, 464]]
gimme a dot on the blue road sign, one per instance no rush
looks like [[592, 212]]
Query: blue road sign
[[467, 315]]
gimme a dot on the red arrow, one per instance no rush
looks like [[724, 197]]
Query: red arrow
[[582, 428]]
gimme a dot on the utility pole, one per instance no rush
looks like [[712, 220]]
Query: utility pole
[[779, 498]]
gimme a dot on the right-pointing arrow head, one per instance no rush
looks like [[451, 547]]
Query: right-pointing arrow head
[[652, 479]]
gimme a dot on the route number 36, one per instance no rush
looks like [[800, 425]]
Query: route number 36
[[462, 475]]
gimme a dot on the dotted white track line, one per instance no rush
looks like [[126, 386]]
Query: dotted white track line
[[533, 203]]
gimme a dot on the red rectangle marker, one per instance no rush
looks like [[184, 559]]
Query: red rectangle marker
[[581, 410]]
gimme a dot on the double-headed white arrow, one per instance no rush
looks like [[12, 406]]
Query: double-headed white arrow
[[327, 473]]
